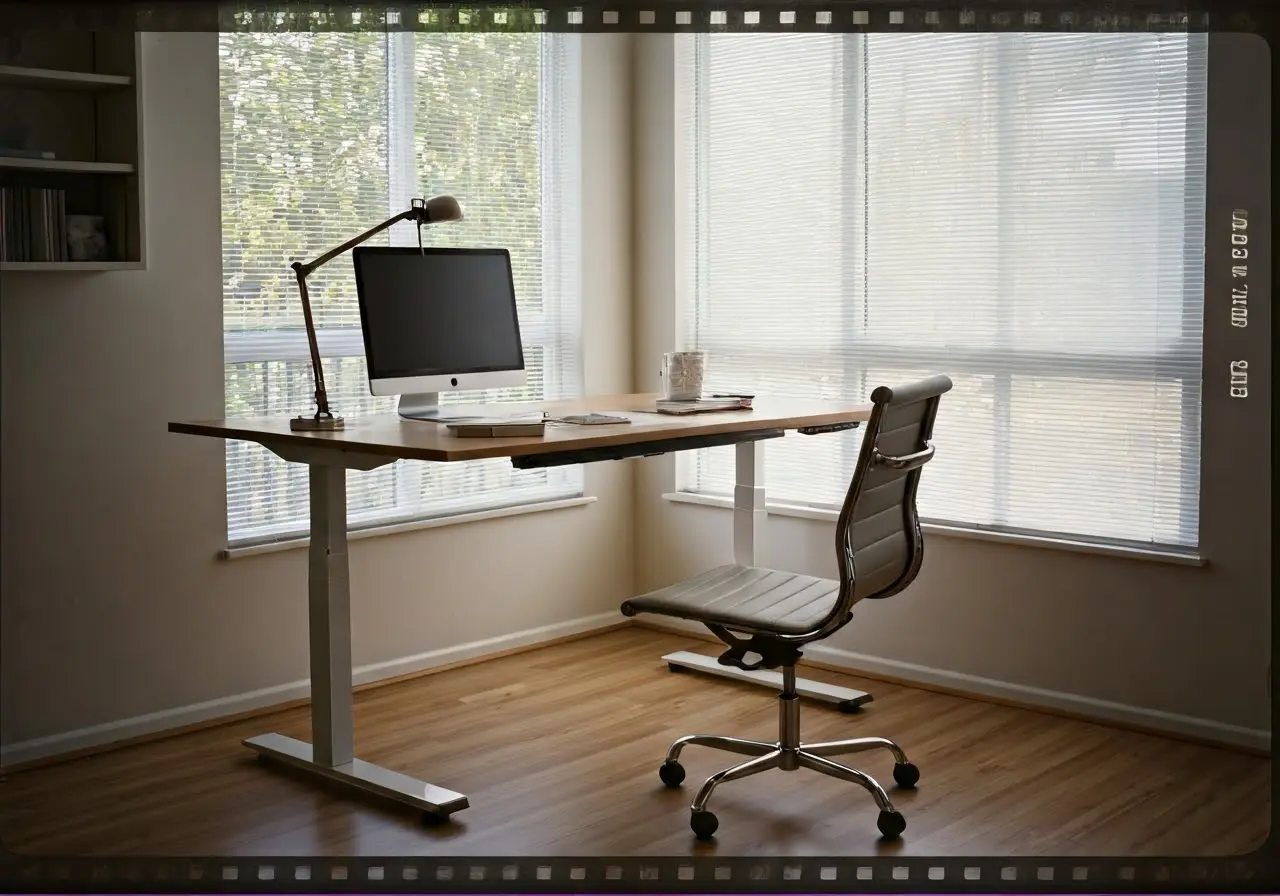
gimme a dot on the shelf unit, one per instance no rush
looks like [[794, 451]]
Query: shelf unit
[[77, 96]]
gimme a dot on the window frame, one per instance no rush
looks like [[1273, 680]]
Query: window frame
[[1002, 366], [564, 486]]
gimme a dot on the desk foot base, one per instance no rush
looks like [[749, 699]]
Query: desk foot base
[[844, 699], [436, 803]]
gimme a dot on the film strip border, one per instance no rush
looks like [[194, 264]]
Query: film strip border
[[880, 874], [885, 874], [644, 16]]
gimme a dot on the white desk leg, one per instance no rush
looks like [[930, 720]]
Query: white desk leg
[[331, 755], [749, 516]]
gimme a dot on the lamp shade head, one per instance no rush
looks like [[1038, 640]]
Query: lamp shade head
[[443, 208]]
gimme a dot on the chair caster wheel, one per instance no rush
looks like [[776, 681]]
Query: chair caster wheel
[[671, 773], [704, 824], [434, 819], [891, 825], [906, 774]]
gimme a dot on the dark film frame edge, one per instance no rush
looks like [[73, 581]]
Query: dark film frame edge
[[1233, 171]]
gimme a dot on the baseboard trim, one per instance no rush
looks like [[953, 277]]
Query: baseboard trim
[[97, 739], [43, 751], [1076, 706]]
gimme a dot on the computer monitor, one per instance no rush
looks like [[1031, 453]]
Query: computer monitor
[[435, 320]]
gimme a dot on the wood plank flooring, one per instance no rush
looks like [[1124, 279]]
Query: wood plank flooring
[[558, 750]]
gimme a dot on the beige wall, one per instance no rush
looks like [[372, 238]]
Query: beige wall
[[115, 602], [1173, 647]]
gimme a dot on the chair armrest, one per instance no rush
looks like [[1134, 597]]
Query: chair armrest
[[906, 462]]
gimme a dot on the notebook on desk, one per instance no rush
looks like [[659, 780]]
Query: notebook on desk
[[590, 419], [704, 405], [492, 427], [497, 429]]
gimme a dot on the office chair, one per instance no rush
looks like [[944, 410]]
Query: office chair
[[879, 549]]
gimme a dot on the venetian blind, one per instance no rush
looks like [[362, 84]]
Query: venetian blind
[[1022, 212], [323, 136]]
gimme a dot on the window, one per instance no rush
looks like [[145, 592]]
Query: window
[[325, 135], [1023, 212]]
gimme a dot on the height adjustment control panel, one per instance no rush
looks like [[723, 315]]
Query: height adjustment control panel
[[826, 428]]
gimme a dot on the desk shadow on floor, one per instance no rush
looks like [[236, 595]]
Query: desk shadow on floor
[[331, 824]]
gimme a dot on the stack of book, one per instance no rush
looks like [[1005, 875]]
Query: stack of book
[[33, 224]]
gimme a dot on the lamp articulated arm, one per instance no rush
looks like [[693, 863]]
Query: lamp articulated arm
[[420, 211]]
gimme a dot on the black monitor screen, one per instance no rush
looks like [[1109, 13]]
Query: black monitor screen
[[438, 311]]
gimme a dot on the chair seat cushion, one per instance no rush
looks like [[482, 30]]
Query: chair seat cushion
[[761, 600]]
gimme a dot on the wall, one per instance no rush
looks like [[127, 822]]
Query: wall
[[118, 615], [1172, 647]]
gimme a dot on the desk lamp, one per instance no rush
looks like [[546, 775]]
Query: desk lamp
[[421, 211]]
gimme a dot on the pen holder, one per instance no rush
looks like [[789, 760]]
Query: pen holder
[[683, 374]]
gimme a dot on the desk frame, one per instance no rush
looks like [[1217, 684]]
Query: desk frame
[[331, 755], [749, 520]]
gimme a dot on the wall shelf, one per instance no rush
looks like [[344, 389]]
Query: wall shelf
[[67, 165], [59, 79], [77, 96], [70, 267]]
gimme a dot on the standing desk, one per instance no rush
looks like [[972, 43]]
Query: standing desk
[[374, 441]]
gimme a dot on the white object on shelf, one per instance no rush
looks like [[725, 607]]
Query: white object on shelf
[[86, 238]]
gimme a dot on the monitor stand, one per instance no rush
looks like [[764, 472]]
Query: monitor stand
[[424, 406]]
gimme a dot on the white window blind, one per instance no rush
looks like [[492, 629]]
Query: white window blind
[[1022, 212], [325, 135]]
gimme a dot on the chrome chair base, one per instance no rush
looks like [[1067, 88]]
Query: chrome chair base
[[788, 754]]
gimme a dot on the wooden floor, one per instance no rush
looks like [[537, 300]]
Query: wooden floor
[[558, 750]]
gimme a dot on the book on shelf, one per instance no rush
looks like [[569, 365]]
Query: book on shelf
[[33, 224]]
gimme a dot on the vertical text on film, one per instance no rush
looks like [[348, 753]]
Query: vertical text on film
[[1240, 295]]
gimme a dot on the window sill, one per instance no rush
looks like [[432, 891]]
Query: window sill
[[248, 549], [1156, 555]]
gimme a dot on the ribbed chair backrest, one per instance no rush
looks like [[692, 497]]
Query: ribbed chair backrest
[[878, 540]]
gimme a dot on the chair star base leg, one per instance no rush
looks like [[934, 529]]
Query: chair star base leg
[[789, 754]]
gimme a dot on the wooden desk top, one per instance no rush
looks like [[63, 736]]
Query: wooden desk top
[[389, 435]]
